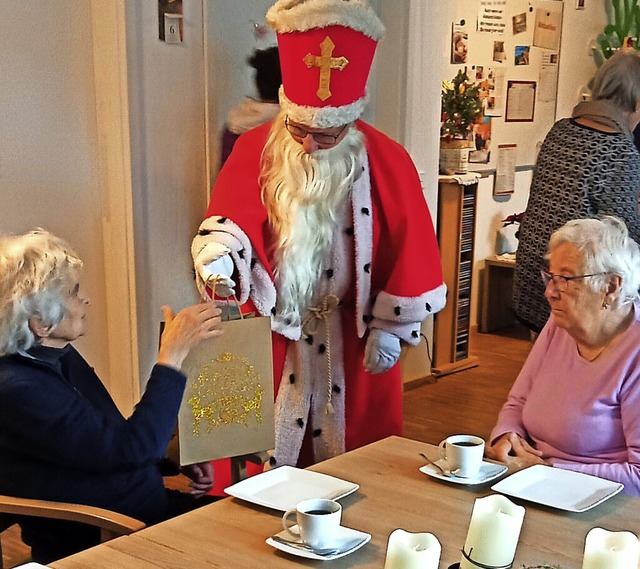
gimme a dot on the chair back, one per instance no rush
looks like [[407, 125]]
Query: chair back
[[111, 524]]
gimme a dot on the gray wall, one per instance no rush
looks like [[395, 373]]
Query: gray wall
[[48, 140]]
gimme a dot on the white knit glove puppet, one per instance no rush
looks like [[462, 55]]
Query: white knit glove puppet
[[212, 262], [382, 351]]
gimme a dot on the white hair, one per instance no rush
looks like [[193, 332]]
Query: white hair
[[606, 248], [35, 269]]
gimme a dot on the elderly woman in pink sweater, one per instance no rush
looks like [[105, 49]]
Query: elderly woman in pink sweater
[[576, 403]]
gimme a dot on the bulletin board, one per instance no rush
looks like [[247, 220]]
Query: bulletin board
[[512, 47]]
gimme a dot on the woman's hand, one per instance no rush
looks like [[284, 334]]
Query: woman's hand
[[514, 451], [201, 475], [186, 330]]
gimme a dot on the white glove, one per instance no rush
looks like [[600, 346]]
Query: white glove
[[213, 263], [382, 351]]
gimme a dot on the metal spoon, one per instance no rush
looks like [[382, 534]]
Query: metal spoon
[[301, 545], [442, 470]]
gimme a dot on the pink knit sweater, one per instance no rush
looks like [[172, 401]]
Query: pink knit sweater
[[584, 416]]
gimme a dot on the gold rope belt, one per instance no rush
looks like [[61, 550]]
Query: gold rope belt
[[310, 326]]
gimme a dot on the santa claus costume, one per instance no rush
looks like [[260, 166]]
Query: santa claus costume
[[337, 247]]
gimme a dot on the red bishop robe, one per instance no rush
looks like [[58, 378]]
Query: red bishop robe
[[403, 275]]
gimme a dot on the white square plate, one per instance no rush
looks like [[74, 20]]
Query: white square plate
[[562, 489], [282, 488]]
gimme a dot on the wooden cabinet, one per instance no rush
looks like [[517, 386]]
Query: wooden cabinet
[[497, 292], [456, 234]]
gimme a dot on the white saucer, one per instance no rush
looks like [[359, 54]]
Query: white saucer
[[345, 535], [488, 471]]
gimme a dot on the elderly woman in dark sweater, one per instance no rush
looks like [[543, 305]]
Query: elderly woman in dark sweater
[[61, 435], [588, 166]]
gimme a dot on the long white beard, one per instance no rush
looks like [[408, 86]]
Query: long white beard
[[303, 194]]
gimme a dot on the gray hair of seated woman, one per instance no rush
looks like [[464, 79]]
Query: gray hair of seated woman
[[606, 248], [36, 270], [618, 80]]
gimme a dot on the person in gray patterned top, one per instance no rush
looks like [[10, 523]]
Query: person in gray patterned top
[[588, 166]]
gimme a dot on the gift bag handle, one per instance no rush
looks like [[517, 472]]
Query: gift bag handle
[[211, 283]]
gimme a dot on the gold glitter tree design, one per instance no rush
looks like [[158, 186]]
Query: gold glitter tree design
[[227, 391]]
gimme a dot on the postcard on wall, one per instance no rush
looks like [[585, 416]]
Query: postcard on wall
[[546, 31], [459, 45], [499, 54], [519, 22], [491, 16], [505, 178], [521, 55], [481, 152], [521, 101]]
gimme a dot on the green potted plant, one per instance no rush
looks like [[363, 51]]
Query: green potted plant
[[461, 105], [622, 31]]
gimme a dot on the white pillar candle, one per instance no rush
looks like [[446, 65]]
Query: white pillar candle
[[407, 550], [493, 532], [610, 550]]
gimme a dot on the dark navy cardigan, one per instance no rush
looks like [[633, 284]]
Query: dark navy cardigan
[[63, 438]]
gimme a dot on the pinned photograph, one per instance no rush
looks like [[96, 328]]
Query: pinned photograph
[[481, 152], [519, 23], [522, 55], [459, 46], [498, 51]]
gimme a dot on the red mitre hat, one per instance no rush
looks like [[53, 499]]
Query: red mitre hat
[[326, 50]]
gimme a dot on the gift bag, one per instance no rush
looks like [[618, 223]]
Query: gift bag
[[228, 405]]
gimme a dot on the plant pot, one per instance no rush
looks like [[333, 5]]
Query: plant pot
[[454, 156]]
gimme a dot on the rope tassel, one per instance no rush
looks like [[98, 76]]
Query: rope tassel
[[309, 327]]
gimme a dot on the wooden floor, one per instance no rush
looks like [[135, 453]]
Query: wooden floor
[[464, 402], [468, 401]]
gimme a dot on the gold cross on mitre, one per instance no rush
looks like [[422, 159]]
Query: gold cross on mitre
[[326, 63]]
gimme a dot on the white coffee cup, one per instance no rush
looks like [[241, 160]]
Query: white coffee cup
[[462, 454], [318, 522]]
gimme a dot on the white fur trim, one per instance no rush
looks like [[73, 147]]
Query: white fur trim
[[322, 117], [287, 16], [263, 291], [410, 309], [403, 315], [363, 240], [254, 280], [228, 237]]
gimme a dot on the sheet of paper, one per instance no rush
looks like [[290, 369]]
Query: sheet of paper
[[548, 83], [546, 32], [505, 179], [521, 100], [491, 16]]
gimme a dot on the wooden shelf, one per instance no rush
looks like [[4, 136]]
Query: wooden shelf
[[456, 238]]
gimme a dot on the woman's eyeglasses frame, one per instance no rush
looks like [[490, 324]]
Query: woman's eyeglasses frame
[[561, 282]]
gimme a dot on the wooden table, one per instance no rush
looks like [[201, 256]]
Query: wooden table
[[393, 493]]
